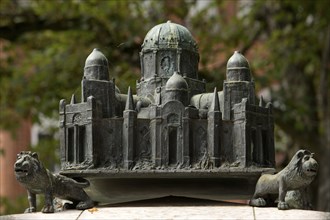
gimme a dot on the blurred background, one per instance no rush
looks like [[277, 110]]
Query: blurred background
[[44, 44]]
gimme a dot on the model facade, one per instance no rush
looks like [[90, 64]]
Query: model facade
[[172, 122]]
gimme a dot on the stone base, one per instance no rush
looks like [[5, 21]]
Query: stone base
[[110, 187], [176, 208]]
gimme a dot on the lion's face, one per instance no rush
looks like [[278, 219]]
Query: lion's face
[[309, 165], [26, 164]]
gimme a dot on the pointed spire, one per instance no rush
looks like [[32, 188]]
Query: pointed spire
[[129, 101], [261, 101], [73, 99], [215, 106]]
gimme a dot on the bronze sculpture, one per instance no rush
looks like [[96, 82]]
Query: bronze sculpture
[[30, 172], [171, 128], [297, 175], [172, 137]]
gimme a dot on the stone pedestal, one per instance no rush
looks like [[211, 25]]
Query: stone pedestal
[[176, 208]]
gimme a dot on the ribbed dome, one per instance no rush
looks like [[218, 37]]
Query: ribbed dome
[[169, 35], [238, 68], [96, 58], [176, 82]]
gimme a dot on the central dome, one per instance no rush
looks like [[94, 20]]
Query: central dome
[[168, 48], [169, 35]]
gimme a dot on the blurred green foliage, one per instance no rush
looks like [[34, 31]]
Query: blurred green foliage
[[44, 45], [48, 152], [19, 204]]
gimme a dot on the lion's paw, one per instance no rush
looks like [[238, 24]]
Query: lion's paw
[[260, 202], [30, 210], [48, 209], [85, 205], [282, 206]]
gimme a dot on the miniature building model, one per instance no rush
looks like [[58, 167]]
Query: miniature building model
[[172, 123]]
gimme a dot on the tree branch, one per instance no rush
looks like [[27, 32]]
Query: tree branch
[[30, 23]]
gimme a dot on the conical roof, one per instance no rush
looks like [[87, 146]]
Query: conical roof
[[96, 58], [237, 61]]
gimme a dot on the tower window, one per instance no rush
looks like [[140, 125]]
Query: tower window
[[81, 144], [70, 145], [265, 147], [172, 145]]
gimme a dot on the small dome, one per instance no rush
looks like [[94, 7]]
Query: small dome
[[169, 35], [96, 58], [176, 82], [96, 66], [238, 68], [237, 61]]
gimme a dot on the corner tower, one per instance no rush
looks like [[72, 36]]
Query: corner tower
[[238, 84], [96, 83]]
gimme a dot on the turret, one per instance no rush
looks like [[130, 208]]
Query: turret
[[96, 83], [214, 128], [238, 68], [129, 131], [96, 66], [238, 84]]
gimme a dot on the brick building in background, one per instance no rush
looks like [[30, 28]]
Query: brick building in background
[[12, 143]]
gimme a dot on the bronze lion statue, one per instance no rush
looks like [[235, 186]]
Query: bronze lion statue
[[30, 172], [297, 175]]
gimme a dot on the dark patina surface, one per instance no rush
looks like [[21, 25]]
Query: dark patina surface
[[30, 172], [294, 178], [172, 137]]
